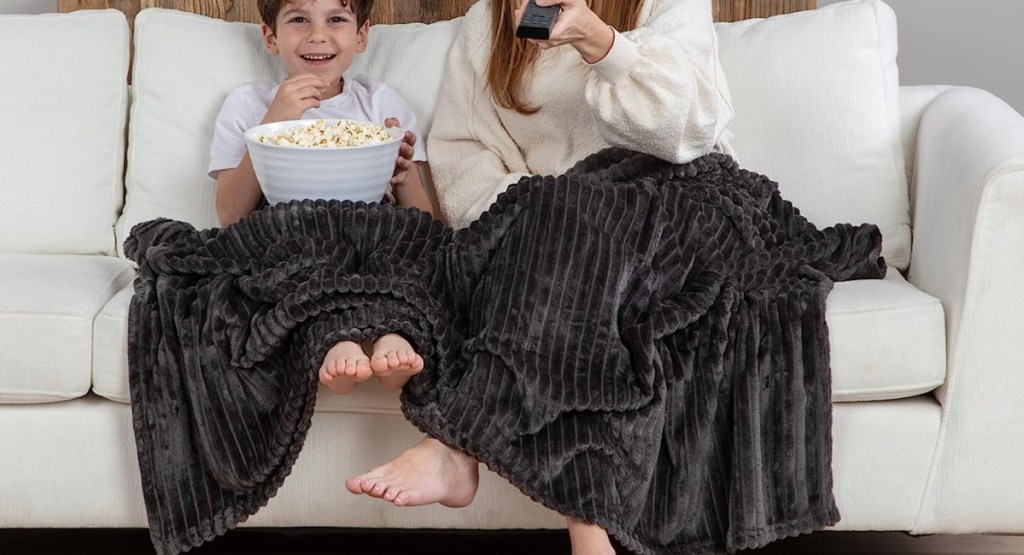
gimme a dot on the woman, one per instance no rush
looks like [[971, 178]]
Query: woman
[[538, 107], [640, 74], [646, 352]]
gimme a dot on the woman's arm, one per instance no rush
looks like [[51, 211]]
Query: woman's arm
[[472, 157], [659, 88]]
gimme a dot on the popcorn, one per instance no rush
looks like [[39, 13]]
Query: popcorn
[[324, 135]]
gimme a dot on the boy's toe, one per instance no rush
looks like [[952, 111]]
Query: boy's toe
[[350, 369]]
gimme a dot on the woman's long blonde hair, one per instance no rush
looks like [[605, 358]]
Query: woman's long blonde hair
[[513, 58]]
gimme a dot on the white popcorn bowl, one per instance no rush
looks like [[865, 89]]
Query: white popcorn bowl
[[357, 173]]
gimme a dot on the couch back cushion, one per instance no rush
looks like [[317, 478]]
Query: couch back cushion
[[816, 100], [186, 64], [815, 95], [64, 91]]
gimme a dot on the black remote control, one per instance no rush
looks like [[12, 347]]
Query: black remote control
[[537, 21]]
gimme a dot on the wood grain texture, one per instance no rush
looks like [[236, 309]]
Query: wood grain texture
[[736, 10], [230, 10], [404, 11]]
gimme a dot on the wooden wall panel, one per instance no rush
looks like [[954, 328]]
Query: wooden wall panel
[[129, 7], [222, 9], [404, 11], [736, 10]]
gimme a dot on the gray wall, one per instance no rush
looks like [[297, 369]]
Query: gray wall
[[957, 42], [962, 42], [28, 6]]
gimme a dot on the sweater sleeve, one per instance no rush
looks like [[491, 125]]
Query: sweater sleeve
[[660, 89], [472, 157]]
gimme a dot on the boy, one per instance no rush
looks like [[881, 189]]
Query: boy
[[317, 41]]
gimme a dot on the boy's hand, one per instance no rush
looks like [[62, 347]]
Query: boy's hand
[[295, 95], [405, 153]]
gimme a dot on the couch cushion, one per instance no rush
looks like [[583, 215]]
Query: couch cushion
[[411, 59], [47, 307], [887, 343], [110, 347], [888, 340], [178, 89], [64, 85], [816, 98]]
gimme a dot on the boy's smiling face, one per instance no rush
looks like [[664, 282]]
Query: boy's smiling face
[[319, 37]]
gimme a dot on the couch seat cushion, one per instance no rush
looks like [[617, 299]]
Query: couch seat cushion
[[47, 307], [887, 343], [888, 340]]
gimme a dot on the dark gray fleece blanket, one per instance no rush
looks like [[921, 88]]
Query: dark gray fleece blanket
[[635, 343]]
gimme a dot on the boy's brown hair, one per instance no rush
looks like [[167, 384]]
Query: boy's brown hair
[[269, 10]]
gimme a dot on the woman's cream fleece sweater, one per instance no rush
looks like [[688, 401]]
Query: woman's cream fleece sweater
[[660, 90]]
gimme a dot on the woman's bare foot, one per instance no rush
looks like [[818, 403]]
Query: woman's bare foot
[[345, 365], [588, 539], [430, 472], [394, 361]]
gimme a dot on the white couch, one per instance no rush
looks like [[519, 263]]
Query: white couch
[[927, 419]]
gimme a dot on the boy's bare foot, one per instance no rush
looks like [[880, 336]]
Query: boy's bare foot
[[394, 361], [588, 539], [430, 472], [345, 365]]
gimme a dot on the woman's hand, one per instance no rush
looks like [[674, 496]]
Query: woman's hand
[[577, 25], [295, 95], [405, 153]]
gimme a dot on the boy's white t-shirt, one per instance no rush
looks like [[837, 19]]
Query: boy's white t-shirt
[[362, 98]]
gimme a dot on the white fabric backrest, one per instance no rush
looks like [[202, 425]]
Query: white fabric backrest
[[186, 64], [815, 95], [64, 91], [816, 98], [410, 58]]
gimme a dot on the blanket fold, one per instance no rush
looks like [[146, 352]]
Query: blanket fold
[[634, 343]]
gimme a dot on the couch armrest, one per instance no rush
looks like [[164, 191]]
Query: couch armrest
[[913, 100], [968, 251]]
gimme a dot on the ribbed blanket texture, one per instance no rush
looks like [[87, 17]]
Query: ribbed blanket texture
[[635, 343]]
